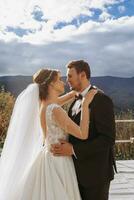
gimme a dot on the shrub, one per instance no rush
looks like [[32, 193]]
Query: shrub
[[6, 106]]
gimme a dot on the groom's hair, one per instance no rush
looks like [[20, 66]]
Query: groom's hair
[[80, 66]]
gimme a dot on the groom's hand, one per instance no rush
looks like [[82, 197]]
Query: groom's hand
[[62, 149]]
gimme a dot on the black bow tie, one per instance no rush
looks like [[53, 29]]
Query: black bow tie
[[78, 96]]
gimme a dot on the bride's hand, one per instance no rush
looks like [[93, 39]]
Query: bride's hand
[[74, 93], [89, 97]]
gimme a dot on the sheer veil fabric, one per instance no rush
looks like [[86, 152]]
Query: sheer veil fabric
[[23, 142]]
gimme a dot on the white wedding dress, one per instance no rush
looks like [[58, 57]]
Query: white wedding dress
[[49, 177]]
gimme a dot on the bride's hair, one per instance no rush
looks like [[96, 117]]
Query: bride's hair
[[44, 77]]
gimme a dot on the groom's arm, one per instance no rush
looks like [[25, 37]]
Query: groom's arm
[[103, 115]]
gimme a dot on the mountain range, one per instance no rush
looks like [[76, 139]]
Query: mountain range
[[121, 90]]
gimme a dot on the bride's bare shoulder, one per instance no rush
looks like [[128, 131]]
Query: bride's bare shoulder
[[58, 111]]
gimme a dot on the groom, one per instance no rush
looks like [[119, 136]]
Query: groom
[[93, 158]]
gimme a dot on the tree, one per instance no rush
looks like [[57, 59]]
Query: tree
[[7, 101]]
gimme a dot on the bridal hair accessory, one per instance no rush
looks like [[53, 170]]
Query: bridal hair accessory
[[48, 78]]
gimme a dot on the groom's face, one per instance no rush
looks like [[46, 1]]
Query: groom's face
[[74, 79]]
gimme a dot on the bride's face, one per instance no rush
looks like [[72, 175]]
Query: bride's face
[[59, 85]]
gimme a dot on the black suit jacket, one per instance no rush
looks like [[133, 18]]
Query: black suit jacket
[[95, 158]]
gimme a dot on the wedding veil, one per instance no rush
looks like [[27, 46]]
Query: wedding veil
[[23, 141]]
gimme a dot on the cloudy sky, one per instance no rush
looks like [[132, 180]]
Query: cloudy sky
[[39, 33]]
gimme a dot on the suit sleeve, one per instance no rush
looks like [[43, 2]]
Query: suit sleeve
[[103, 114]]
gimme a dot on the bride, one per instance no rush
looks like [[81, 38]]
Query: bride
[[28, 169]]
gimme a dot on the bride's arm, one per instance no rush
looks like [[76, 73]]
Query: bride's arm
[[64, 99], [71, 127]]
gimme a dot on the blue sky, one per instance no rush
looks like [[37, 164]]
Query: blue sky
[[128, 10], [51, 33]]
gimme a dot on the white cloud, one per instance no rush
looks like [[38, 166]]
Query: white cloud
[[107, 44], [104, 16], [19, 14]]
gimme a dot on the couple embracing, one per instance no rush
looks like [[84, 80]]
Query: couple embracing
[[50, 154]]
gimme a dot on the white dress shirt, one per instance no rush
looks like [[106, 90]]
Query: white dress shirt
[[77, 107]]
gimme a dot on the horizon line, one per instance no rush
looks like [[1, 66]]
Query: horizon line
[[65, 76]]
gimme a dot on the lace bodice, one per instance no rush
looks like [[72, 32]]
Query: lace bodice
[[54, 132]]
